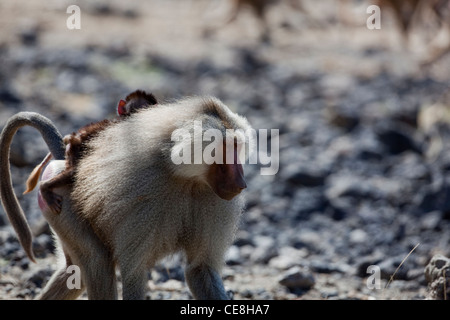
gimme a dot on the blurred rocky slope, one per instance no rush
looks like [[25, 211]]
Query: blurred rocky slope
[[364, 136]]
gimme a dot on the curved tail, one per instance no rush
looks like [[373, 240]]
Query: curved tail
[[54, 141]]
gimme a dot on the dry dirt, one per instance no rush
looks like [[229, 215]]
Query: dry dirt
[[331, 42]]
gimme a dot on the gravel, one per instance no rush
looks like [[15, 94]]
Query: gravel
[[364, 162]]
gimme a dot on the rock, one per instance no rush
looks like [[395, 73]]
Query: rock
[[288, 257], [42, 245], [243, 238], [397, 137], [2, 222], [233, 256], [364, 262], [345, 118], [435, 198], [265, 249], [328, 293], [9, 96], [309, 239], [340, 208], [297, 278], [389, 265], [39, 276], [303, 175], [172, 285], [29, 34], [437, 274], [305, 202], [4, 235], [102, 9], [263, 255], [431, 116], [339, 186], [358, 236], [336, 84], [248, 294], [431, 220], [374, 188], [10, 249], [320, 266], [169, 268], [410, 166]]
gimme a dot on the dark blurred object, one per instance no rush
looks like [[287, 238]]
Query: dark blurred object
[[107, 9], [298, 279], [404, 12], [410, 13], [397, 137], [259, 9], [29, 34], [8, 96]]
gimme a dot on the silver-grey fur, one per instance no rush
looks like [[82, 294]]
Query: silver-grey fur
[[78, 244], [144, 207], [130, 205]]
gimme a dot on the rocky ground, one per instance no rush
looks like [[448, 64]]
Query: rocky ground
[[364, 166]]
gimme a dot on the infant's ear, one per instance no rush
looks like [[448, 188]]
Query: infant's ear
[[121, 110]]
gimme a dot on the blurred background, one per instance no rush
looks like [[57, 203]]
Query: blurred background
[[363, 117]]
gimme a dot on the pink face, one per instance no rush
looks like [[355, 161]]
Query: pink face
[[227, 179]]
